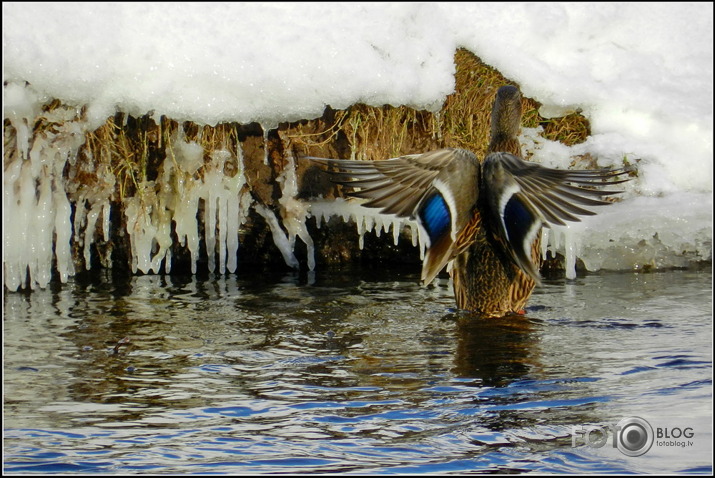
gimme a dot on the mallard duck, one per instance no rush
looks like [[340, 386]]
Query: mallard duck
[[484, 217]]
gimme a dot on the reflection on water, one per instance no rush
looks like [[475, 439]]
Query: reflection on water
[[496, 351], [349, 371]]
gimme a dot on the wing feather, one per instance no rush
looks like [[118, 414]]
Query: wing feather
[[403, 186], [518, 191]]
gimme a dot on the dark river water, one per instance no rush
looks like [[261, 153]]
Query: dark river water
[[357, 371]]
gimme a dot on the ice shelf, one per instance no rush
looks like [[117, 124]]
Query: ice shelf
[[195, 191]]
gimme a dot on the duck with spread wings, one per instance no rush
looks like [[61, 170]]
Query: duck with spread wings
[[484, 217]]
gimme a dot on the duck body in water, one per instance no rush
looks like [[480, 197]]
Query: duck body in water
[[484, 217], [502, 287]]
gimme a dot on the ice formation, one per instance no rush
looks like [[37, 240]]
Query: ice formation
[[293, 211], [366, 220], [641, 73], [36, 218], [38, 227], [175, 197]]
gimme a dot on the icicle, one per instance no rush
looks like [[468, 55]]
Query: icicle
[[63, 234], [387, 224], [223, 201], [396, 229], [545, 232], [186, 192], [437, 129], [414, 233], [223, 213], [185, 222], [131, 211], [223, 196], [556, 236], [141, 233], [149, 228], [211, 183], [97, 199], [230, 232], [223, 230], [236, 213], [92, 217], [293, 211], [279, 238], [367, 218], [20, 252], [41, 235], [21, 105], [242, 211], [266, 129], [244, 205], [163, 239], [572, 244], [376, 223], [423, 240], [36, 206], [381, 224], [369, 225], [141, 229], [360, 224], [570, 264], [105, 220], [566, 238]]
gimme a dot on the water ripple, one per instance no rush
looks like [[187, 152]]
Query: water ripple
[[358, 376]]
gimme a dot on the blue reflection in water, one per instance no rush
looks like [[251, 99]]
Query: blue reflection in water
[[349, 374]]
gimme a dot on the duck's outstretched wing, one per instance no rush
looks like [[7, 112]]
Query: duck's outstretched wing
[[524, 196], [438, 189]]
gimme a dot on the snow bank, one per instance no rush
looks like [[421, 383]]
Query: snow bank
[[642, 74]]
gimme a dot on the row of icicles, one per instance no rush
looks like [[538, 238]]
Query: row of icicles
[[38, 230]]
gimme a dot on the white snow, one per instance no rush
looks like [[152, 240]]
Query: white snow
[[641, 72]]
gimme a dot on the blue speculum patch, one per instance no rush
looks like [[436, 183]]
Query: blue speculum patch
[[435, 217], [518, 219]]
